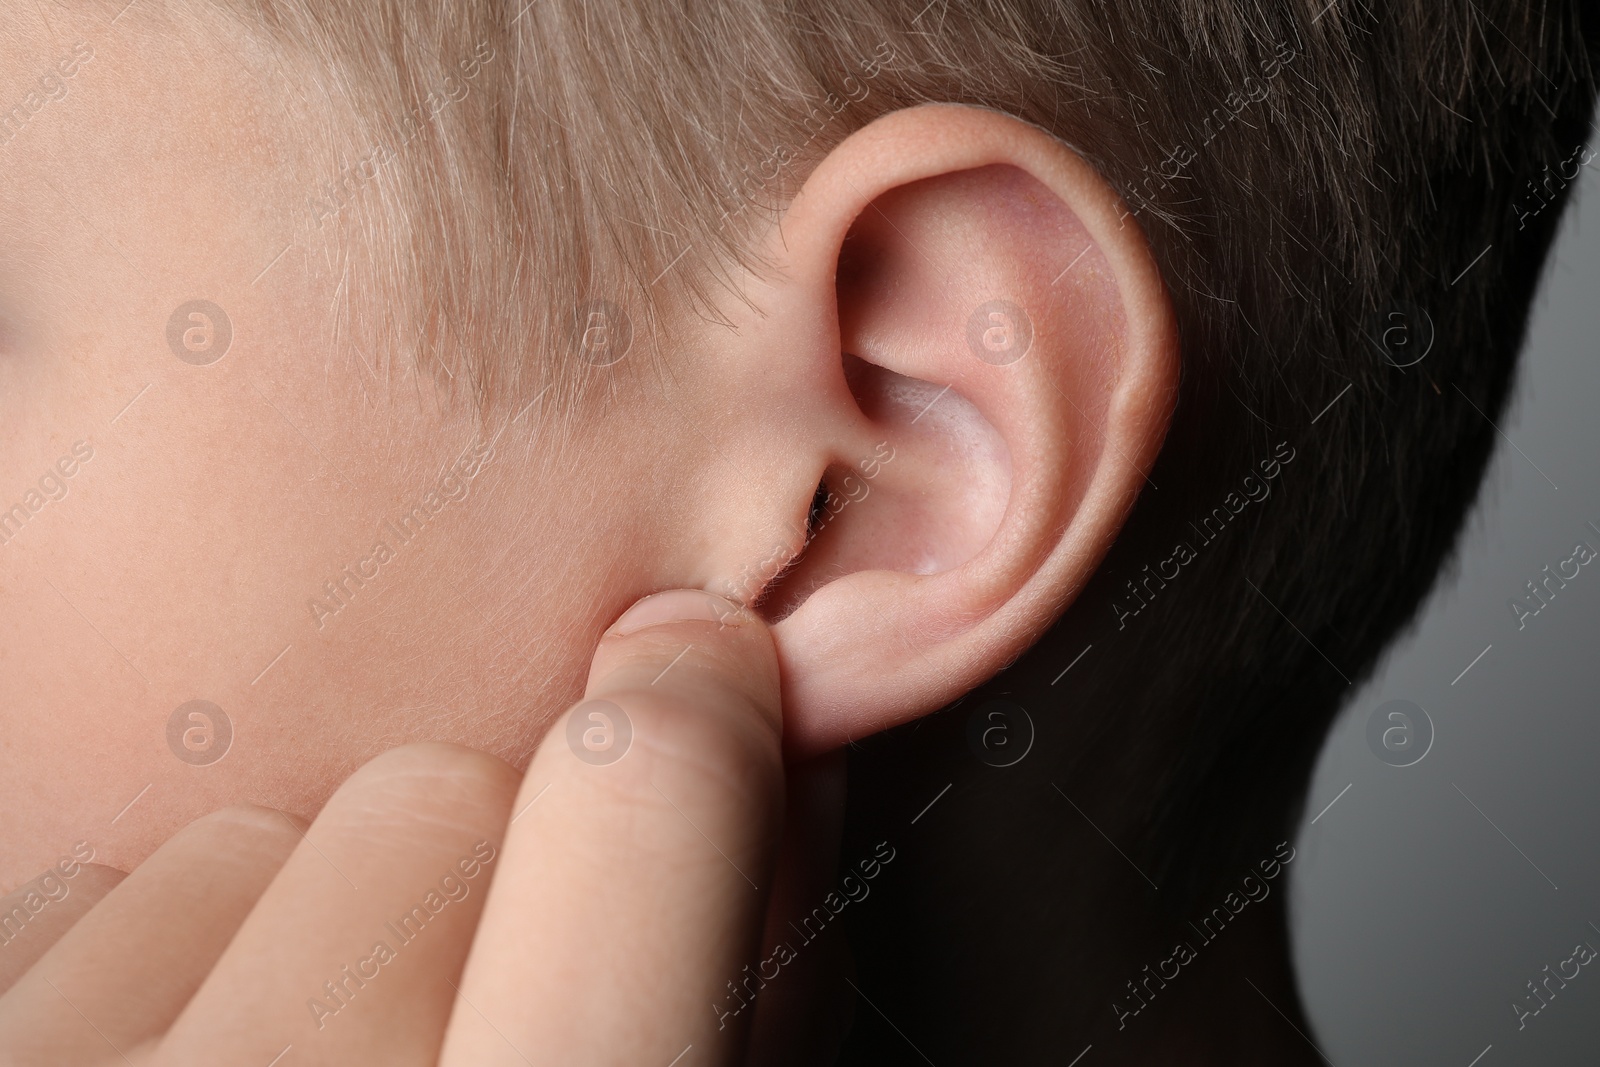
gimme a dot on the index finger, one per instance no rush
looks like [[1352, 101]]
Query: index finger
[[636, 867]]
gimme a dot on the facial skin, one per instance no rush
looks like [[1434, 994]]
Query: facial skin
[[219, 499]]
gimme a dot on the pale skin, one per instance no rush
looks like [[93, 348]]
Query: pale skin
[[220, 498], [603, 867]]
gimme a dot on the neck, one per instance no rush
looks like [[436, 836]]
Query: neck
[[1017, 928]]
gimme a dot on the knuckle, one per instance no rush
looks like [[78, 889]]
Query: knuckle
[[433, 775], [741, 658], [238, 836], [728, 750], [254, 820]]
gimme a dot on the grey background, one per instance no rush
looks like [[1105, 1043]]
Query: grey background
[[1426, 897]]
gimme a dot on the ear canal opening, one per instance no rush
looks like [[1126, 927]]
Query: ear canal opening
[[771, 603], [819, 509]]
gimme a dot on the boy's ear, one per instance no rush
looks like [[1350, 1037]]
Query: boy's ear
[[968, 340]]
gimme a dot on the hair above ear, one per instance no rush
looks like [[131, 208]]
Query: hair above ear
[[970, 346]]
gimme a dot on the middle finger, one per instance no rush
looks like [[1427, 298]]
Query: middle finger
[[352, 954]]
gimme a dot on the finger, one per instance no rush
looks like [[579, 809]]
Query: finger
[[794, 986], [633, 885], [125, 970], [35, 916], [349, 955]]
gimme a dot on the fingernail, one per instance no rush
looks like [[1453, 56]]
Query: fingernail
[[677, 605]]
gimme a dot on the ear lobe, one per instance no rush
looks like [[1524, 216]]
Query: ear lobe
[[1010, 360]]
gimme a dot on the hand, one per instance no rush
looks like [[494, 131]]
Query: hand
[[441, 909]]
